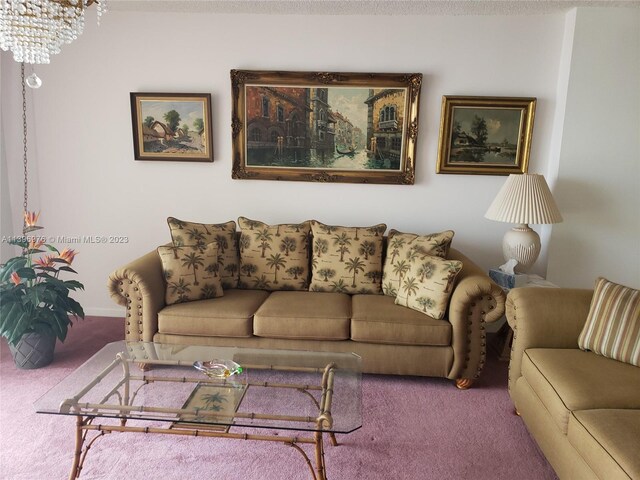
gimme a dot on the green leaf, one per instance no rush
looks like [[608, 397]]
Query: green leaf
[[11, 266], [45, 269], [75, 308], [15, 324], [51, 248], [68, 269], [26, 273], [19, 242], [53, 281], [74, 285]]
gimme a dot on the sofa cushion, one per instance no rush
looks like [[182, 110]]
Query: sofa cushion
[[224, 234], [304, 315], [346, 259], [189, 273], [428, 284], [608, 441], [228, 316], [400, 246], [570, 379], [376, 319], [612, 328], [274, 257]]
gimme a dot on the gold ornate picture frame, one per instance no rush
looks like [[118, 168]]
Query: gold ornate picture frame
[[485, 135], [325, 126], [172, 126]]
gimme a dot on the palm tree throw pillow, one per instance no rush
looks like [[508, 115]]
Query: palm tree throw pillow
[[401, 250], [346, 259], [428, 284], [201, 234], [274, 257], [190, 273]]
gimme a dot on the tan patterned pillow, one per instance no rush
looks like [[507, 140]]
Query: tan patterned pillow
[[401, 247], [190, 273], [612, 328], [428, 284], [199, 234], [346, 259], [274, 257]]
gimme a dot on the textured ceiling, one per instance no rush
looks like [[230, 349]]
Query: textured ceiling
[[367, 7]]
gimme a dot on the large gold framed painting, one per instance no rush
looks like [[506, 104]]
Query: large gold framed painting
[[325, 127]]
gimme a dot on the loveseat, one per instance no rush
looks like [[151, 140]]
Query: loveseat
[[582, 408], [390, 338]]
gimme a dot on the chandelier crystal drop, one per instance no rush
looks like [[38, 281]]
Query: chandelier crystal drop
[[36, 29]]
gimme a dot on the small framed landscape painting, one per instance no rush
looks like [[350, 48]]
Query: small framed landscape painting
[[485, 135], [325, 127], [172, 126]]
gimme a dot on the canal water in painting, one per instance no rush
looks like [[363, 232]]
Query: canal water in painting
[[341, 128], [359, 160]]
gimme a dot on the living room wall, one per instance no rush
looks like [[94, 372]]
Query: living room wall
[[85, 181], [599, 157]]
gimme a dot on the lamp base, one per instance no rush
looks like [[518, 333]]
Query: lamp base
[[522, 244]]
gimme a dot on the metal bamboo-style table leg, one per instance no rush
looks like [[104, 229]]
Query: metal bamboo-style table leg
[[75, 469], [320, 457], [81, 451]]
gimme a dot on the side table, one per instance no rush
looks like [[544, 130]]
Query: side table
[[504, 336]]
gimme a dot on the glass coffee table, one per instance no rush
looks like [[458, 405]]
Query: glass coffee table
[[246, 394]]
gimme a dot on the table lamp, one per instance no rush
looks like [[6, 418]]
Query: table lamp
[[523, 199]]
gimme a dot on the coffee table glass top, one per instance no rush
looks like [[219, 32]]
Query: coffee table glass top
[[278, 389]]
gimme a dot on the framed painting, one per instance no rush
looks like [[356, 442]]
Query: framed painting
[[172, 126], [485, 135], [325, 127]]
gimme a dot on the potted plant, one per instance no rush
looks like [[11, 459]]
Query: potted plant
[[34, 301]]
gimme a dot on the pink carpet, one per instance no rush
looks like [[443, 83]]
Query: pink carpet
[[413, 428]]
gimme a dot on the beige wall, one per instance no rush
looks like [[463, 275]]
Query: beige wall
[[87, 183], [598, 186]]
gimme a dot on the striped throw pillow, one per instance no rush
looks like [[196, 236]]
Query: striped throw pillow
[[612, 328]]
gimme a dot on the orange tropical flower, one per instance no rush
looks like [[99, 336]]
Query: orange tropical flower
[[31, 218], [45, 261], [35, 244], [15, 278], [67, 255]]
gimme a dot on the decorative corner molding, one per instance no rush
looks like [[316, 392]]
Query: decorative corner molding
[[238, 172]]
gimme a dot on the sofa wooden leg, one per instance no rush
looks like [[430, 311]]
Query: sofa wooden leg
[[145, 367], [464, 383]]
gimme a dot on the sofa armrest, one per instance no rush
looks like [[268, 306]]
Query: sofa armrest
[[544, 318], [139, 286], [476, 300]]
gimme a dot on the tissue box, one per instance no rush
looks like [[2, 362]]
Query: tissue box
[[508, 280]]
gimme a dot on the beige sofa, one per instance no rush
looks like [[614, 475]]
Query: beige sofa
[[582, 409], [391, 339]]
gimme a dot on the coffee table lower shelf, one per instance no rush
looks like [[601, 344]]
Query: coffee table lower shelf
[[85, 425]]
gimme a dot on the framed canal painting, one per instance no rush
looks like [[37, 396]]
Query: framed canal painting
[[172, 126], [325, 127], [485, 135]]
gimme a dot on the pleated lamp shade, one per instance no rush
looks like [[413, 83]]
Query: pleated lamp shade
[[524, 199]]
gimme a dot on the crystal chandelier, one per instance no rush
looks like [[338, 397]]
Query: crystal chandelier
[[35, 29]]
